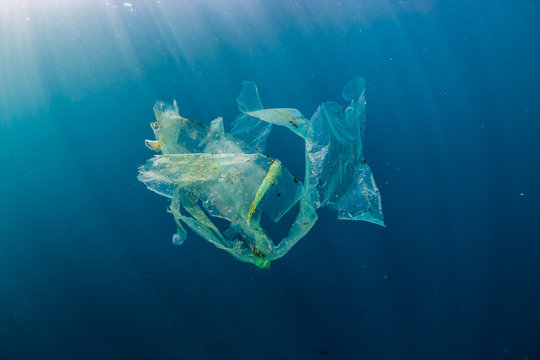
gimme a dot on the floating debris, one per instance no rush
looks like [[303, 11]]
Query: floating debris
[[207, 172]]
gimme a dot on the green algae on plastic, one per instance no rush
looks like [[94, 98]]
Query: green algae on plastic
[[208, 173]]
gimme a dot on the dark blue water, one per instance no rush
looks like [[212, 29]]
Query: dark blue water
[[87, 269]]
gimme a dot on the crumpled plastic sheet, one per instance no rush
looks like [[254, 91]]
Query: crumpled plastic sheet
[[209, 173]]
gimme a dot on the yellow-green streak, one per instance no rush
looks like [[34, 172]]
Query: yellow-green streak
[[274, 170]]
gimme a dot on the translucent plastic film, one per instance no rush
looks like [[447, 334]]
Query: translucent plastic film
[[208, 173]]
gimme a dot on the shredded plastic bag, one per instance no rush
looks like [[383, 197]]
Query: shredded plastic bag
[[208, 173]]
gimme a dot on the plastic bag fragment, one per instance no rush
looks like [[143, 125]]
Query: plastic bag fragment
[[208, 173]]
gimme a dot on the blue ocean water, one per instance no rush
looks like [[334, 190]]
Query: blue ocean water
[[87, 268]]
